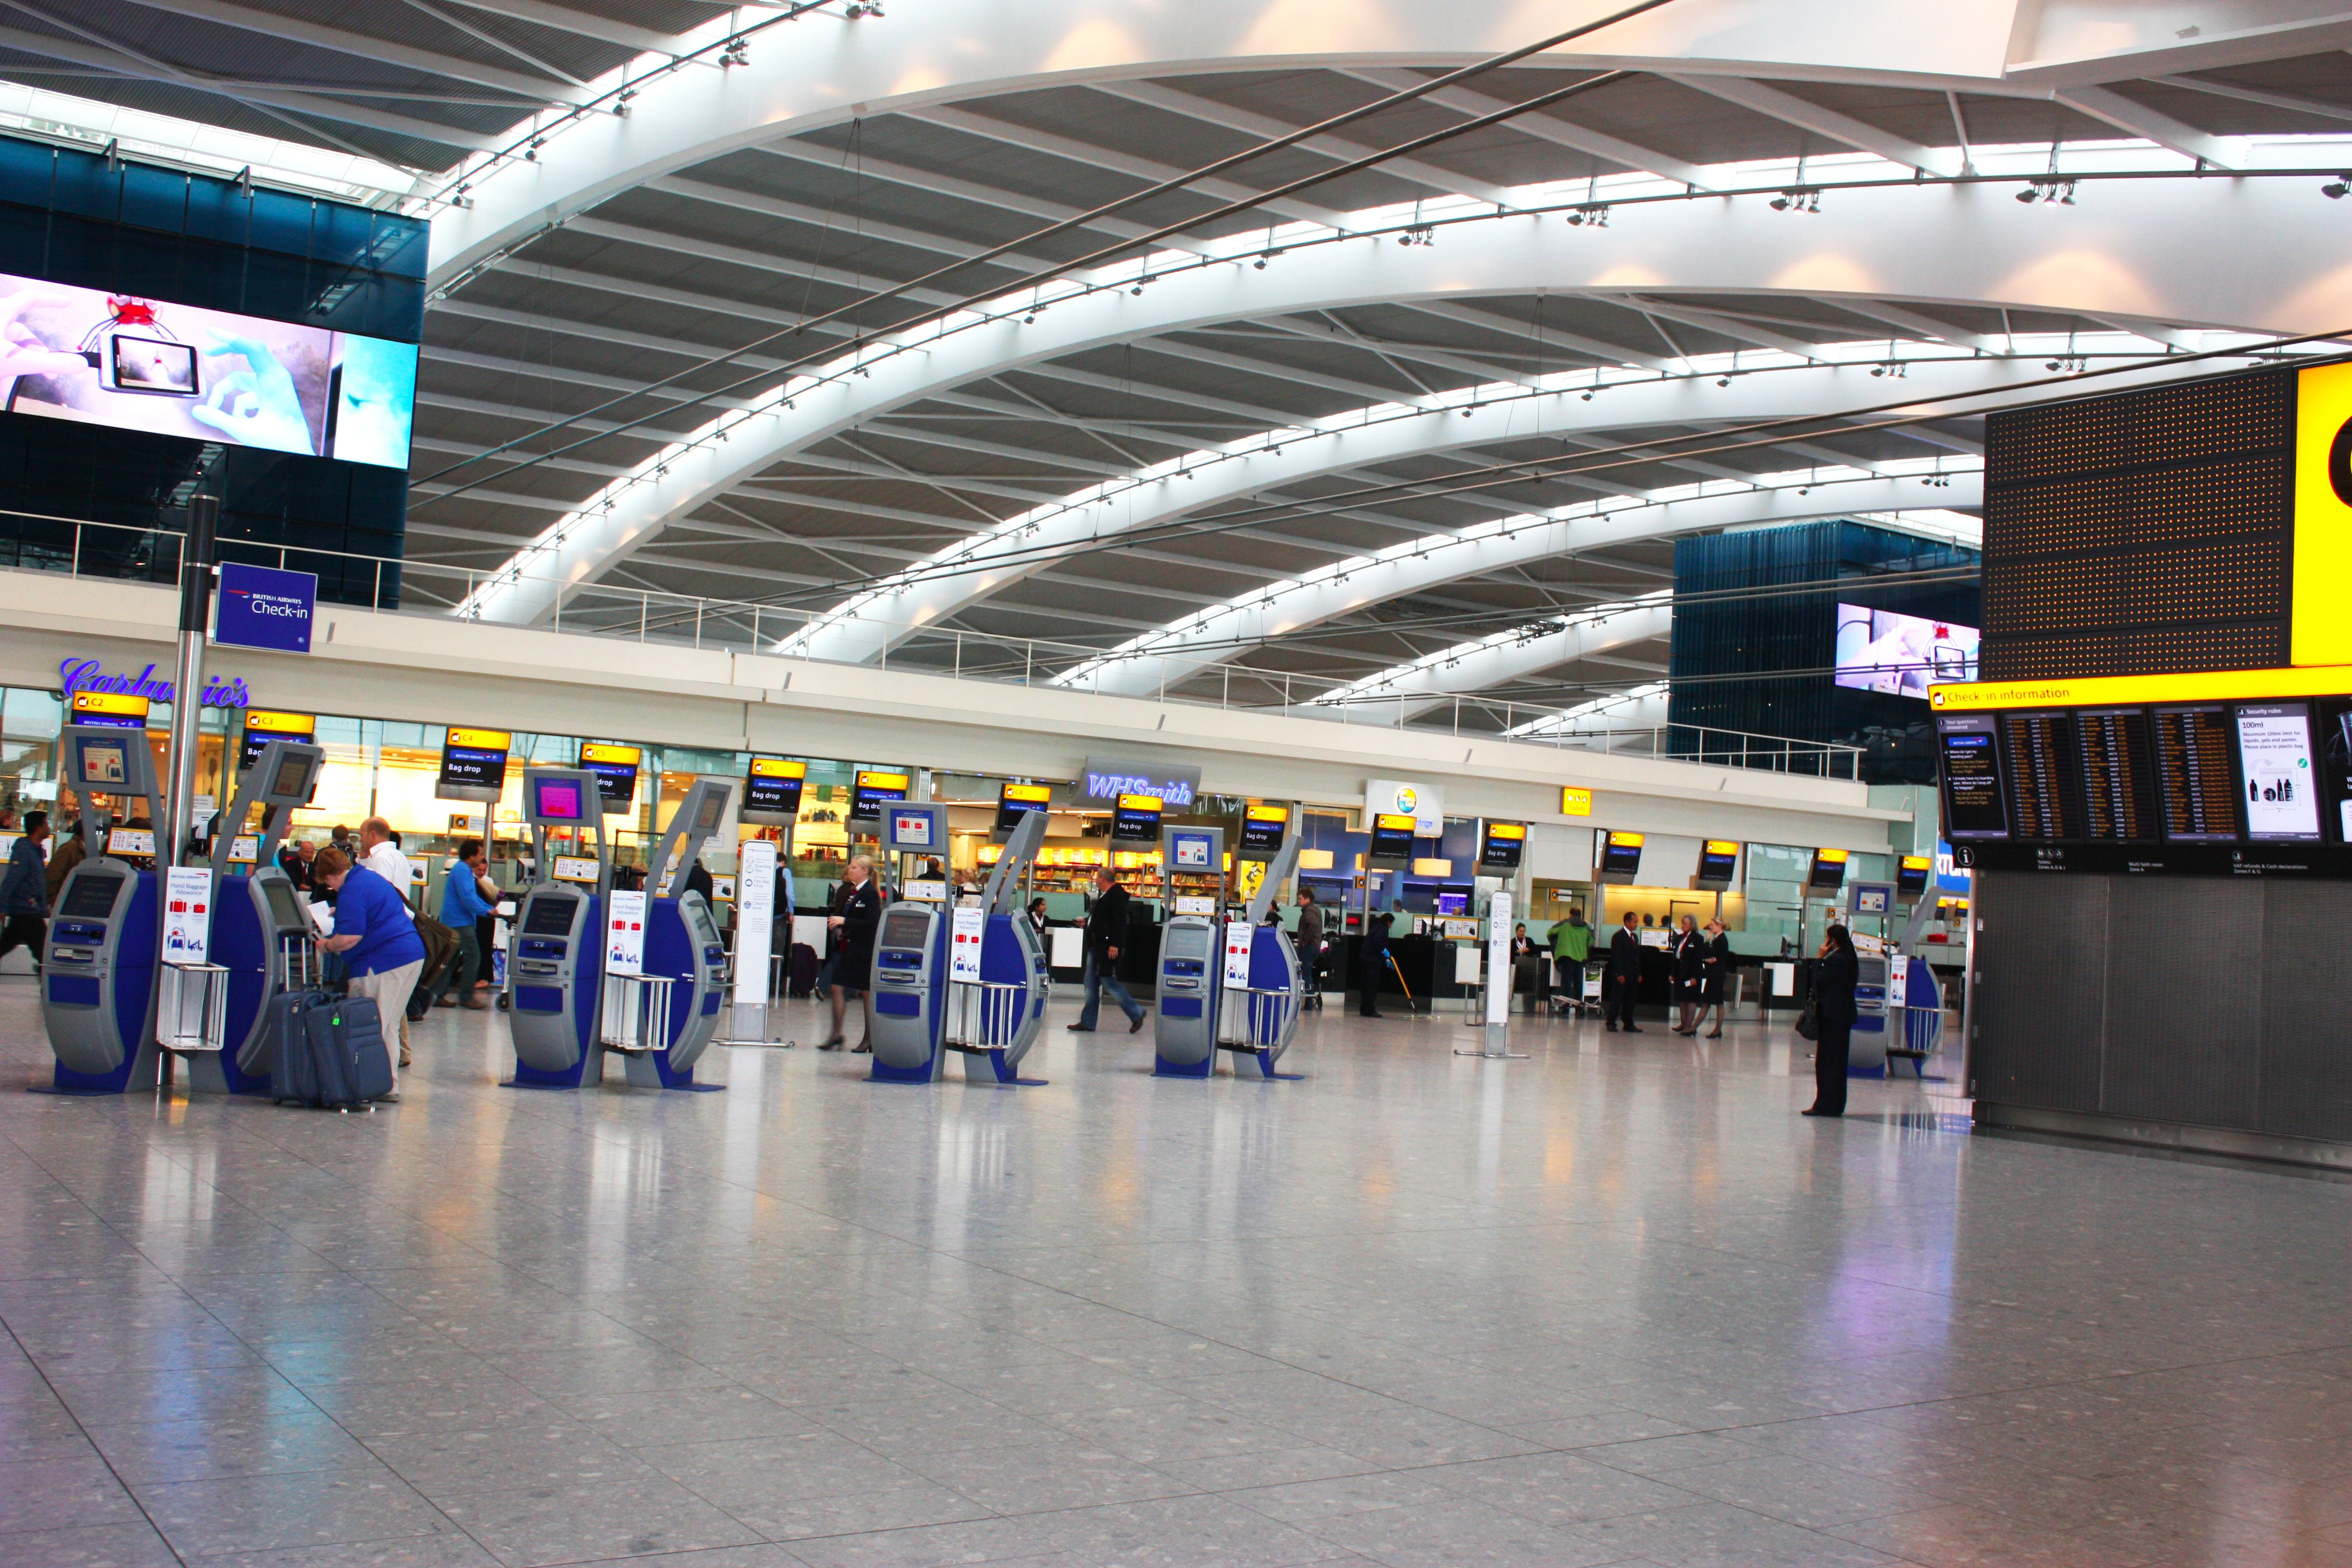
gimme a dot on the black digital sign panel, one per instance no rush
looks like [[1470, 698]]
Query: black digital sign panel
[[1974, 807]]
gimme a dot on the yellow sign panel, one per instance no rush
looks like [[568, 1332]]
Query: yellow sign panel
[[869, 779], [1389, 822], [1916, 862], [778, 768], [118, 704], [1029, 794], [481, 740], [601, 752], [1575, 800], [1269, 814], [1509, 831], [2214, 686], [2321, 632], [1625, 840], [1831, 856], [260, 723], [1139, 803], [1722, 847]]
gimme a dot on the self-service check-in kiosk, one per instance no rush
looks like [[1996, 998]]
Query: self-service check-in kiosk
[[260, 930], [682, 945], [909, 985], [1191, 963], [1868, 901], [97, 986], [555, 966]]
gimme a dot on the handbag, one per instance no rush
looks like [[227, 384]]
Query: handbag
[[1809, 1023]]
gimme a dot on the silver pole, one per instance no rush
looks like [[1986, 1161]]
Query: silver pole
[[187, 691]]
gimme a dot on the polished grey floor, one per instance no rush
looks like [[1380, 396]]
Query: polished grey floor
[[1613, 1303]]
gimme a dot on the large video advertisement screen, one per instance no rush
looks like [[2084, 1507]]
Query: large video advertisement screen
[[1878, 650], [208, 375]]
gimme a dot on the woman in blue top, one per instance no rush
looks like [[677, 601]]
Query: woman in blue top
[[375, 934]]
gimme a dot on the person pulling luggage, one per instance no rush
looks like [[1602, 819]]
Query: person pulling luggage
[[376, 937]]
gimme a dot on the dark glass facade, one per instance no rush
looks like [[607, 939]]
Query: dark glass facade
[[1755, 638], [78, 218]]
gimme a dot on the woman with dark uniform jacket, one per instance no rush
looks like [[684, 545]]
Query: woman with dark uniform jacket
[[857, 914], [1836, 970], [1690, 972], [1718, 976]]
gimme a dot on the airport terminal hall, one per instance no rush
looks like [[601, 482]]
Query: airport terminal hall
[[1108, 784]]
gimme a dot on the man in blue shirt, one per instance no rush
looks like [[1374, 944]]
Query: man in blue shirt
[[462, 904], [377, 936], [24, 891]]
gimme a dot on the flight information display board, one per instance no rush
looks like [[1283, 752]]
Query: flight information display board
[[772, 790], [2226, 788], [2117, 775]]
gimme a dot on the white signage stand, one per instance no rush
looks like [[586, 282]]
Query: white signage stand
[[755, 928], [1498, 982], [192, 1000]]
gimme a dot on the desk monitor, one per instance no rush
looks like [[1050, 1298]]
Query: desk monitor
[[616, 768], [1192, 851], [1501, 844], [262, 727], [771, 791], [106, 709], [872, 789], [1621, 856], [1263, 827], [1718, 861], [1912, 874], [473, 764], [1016, 801], [1392, 836], [1136, 819]]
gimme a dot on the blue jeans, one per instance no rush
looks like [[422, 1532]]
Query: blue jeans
[[1097, 983]]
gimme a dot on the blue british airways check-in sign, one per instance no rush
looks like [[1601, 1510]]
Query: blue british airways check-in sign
[[262, 608]]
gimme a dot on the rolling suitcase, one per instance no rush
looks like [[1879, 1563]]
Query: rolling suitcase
[[341, 1060], [287, 1032], [802, 971]]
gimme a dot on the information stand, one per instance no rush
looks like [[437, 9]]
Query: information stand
[[1498, 996]]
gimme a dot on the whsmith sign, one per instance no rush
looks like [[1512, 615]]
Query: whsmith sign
[[85, 675], [1107, 778]]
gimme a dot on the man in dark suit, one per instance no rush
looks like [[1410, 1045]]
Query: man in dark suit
[[1105, 934], [1625, 976]]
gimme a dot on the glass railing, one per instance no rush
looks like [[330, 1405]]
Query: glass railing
[[33, 542]]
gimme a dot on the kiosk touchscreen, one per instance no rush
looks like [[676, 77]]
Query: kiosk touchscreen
[[682, 942], [98, 985], [556, 965], [260, 926]]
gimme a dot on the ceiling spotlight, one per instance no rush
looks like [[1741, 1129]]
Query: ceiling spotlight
[[2336, 189], [2047, 190], [1419, 234], [1797, 199], [1723, 381], [1593, 214], [2030, 195], [1259, 264], [1588, 397]]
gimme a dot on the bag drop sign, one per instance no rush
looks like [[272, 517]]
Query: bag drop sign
[[625, 935]]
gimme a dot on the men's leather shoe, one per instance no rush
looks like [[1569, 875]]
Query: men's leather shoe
[[1136, 1022], [1082, 1028]]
